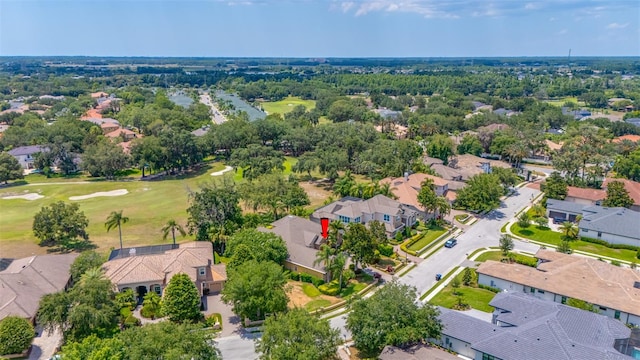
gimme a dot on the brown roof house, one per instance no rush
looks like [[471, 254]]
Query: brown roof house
[[463, 167], [26, 280], [394, 215], [150, 268], [585, 196], [614, 290], [303, 238], [406, 188]]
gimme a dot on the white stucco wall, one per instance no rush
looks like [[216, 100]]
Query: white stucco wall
[[461, 347], [611, 238]]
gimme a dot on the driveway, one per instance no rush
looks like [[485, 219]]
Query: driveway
[[484, 233], [230, 321], [44, 345]]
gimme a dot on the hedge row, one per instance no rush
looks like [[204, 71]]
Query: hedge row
[[316, 281], [490, 288], [405, 247], [609, 245], [526, 261], [385, 249], [331, 289]]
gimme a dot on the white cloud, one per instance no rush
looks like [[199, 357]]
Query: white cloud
[[346, 6], [562, 32], [617, 26], [532, 6], [552, 19]]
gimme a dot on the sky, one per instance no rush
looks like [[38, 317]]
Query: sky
[[320, 28]]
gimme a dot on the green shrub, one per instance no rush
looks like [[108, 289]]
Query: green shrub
[[526, 261], [147, 313], [316, 281], [294, 276], [399, 236], [403, 247], [131, 321], [331, 289], [212, 320], [615, 262], [490, 288], [16, 335], [305, 277], [386, 250]]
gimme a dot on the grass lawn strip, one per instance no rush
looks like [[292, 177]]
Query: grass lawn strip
[[476, 298], [550, 237], [310, 290], [287, 105], [427, 238]]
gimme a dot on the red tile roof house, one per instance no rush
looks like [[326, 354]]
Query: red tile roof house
[[125, 134], [150, 268], [406, 188], [632, 187], [585, 196]]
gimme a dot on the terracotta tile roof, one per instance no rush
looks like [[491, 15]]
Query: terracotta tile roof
[[118, 132], [407, 191], [633, 188], [99, 94], [159, 268], [587, 194], [587, 279], [632, 138]]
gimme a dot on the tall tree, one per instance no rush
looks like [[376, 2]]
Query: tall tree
[[273, 193], [10, 168], [88, 308], [506, 244], [392, 316], [256, 289], [256, 160], [62, 225], [104, 159], [441, 147], [482, 193], [264, 246], [214, 209], [87, 260], [297, 334], [116, 219], [171, 227], [324, 256], [338, 263], [181, 301], [555, 187], [470, 145], [617, 195], [359, 243], [570, 230], [427, 196]]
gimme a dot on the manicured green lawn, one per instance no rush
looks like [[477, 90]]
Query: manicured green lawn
[[352, 288], [310, 290], [497, 256], [554, 238], [286, 105], [148, 204], [463, 218], [476, 298], [428, 237]]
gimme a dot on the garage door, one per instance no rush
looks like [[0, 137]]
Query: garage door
[[215, 288], [557, 214]]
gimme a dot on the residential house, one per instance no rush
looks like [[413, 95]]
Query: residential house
[[633, 121], [415, 352], [613, 290], [614, 225], [585, 196], [25, 281], [504, 112], [394, 215], [99, 121], [99, 94], [303, 238], [632, 187], [524, 327], [124, 134], [406, 188], [576, 114], [201, 131], [492, 128], [108, 127], [149, 268], [26, 155], [463, 167], [628, 137], [479, 106]]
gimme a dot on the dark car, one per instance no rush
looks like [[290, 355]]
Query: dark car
[[450, 243]]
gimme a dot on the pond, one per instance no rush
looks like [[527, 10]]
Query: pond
[[241, 105], [180, 98]]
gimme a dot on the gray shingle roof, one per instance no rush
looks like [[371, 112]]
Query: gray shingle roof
[[27, 150], [466, 328], [549, 331], [619, 221], [564, 206]]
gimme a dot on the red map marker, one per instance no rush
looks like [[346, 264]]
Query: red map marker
[[324, 222]]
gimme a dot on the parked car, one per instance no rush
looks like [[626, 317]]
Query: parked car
[[450, 243], [438, 277]]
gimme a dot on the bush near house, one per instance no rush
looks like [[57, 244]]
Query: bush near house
[[16, 335], [296, 276]]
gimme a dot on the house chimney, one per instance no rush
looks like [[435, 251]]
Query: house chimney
[[406, 176]]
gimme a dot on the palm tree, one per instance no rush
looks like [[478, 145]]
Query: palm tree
[[442, 206], [538, 210], [334, 233], [569, 229], [337, 266], [171, 227], [324, 256], [386, 190], [115, 219]]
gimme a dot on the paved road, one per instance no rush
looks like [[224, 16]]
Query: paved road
[[485, 232], [238, 347], [216, 115]]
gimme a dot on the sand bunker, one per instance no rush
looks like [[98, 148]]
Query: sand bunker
[[218, 173], [30, 196], [102, 193]]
